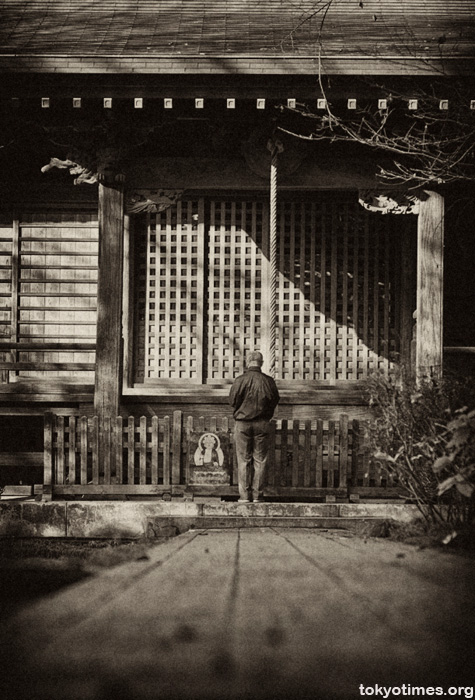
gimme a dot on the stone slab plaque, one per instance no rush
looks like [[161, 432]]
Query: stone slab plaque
[[209, 457]]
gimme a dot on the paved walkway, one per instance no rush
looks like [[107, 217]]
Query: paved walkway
[[250, 613]]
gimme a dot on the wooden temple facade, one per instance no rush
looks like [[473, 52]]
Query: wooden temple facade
[[197, 232]]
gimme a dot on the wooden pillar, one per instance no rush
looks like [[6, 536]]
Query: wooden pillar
[[109, 298], [430, 282], [407, 298]]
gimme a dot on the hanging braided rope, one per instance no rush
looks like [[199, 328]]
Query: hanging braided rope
[[275, 147]]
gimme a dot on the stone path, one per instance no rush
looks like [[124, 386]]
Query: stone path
[[250, 613]]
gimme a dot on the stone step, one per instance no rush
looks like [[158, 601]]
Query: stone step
[[136, 519]]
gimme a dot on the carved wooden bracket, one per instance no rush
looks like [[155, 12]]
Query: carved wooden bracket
[[152, 201], [392, 202], [85, 175]]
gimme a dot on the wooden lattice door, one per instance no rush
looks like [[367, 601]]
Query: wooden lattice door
[[338, 290], [203, 293]]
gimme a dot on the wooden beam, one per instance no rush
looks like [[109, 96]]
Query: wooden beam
[[109, 300], [430, 282]]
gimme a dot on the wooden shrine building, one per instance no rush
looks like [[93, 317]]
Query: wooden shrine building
[[158, 220]]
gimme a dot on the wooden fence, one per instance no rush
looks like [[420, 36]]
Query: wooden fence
[[151, 455]]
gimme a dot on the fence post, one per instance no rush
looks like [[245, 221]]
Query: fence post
[[176, 447], [48, 458], [94, 434], [188, 431], [166, 451], [355, 448], [343, 450]]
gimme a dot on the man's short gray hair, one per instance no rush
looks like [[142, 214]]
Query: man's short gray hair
[[254, 358]]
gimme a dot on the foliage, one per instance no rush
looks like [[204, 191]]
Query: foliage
[[424, 436]]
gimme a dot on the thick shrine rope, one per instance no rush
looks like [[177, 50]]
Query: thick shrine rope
[[273, 259]]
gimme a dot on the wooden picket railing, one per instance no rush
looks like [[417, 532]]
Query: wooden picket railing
[[151, 455]]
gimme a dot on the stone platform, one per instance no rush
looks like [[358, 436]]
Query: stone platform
[[138, 519]]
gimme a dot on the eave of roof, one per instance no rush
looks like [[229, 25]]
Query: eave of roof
[[237, 36]]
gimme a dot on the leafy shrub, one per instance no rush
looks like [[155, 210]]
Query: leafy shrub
[[424, 436]]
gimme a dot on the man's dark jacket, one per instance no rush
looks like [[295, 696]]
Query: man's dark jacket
[[254, 395]]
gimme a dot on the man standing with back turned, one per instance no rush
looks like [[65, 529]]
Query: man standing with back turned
[[254, 397]]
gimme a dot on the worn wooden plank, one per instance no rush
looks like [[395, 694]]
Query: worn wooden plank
[[154, 447], [47, 366], [59, 452], [430, 260], [176, 447], [83, 448], [271, 464], [331, 454], [131, 450], [119, 449], [120, 489], [285, 466], [319, 454], [344, 424], [295, 452], [108, 378], [63, 347], [72, 450], [48, 458], [143, 450], [27, 459], [94, 445], [365, 463], [107, 449], [355, 448], [307, 452], [188, 431], [166, 450]]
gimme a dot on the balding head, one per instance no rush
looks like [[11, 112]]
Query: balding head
[[254, 359]]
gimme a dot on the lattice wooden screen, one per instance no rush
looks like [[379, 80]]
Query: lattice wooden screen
[[203, 285], [171, 302], [235, 285], [49, 290], [336, 291]]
